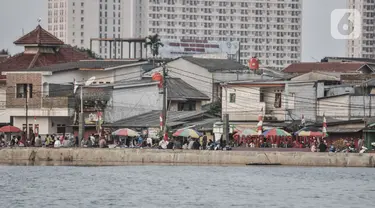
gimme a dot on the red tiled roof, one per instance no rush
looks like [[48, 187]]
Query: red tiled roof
[[22, 61], [39, 36], [324, 67], [2, 58]]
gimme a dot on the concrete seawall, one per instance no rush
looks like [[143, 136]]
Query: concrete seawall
[[146, 156]]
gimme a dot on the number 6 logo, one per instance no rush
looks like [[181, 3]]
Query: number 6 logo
[[346, 24]]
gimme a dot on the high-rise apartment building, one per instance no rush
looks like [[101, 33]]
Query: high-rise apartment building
[[268, 29], [76, 21], [363, 47]]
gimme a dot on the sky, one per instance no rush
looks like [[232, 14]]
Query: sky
[[17, 16]]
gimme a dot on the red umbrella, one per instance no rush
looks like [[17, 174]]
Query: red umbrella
[[9, 129]]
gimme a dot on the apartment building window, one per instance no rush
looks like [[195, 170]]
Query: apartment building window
[[277, 100], [232, 97], [81, 11], [24, 89], [82, 4]]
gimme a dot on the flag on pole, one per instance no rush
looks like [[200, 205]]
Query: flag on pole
[[75, 86], [324, 126], [260, 123]]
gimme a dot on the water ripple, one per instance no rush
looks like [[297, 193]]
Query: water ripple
[[185, 186]]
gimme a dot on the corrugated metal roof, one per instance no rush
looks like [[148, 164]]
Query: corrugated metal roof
[[152, 119], [216, 64], [87, 64], [178, 90]]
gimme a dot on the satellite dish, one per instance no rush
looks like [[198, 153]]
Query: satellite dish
[[90, 81]]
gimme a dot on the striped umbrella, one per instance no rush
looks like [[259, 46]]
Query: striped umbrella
[[187, 133], [310, 134], [125, 132], [247, 132], [275, 132], [324, 126]]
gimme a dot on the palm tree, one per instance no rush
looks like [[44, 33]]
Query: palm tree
[[153, 41]]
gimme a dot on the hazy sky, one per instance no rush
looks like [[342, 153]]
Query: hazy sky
[[21, 15]]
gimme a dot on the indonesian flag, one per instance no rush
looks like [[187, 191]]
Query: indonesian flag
[[324, 126], [260, 124]]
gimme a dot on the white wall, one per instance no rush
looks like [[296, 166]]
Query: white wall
[[247, 105], [121, 74], [192, 74], [128, 102], [304, 101], [4, 115], [336, 107], [47, 125]]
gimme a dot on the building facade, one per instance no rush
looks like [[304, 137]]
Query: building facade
[[363, 47], [77, 21], [270, 30]]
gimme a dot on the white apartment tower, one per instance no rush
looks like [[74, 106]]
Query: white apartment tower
[[77, 21], [363, 47], [268, 29]]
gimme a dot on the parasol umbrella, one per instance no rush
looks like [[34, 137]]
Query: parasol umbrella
[[125, 132], [247, 132], [275, 132], [187, 133], [309, 132], [10, 129]]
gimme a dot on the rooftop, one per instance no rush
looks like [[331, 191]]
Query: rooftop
[[339, 67], [178, 90], [39, 36], [86, 64], [213, 65], [152, 119], [349, 59], [24, 61]]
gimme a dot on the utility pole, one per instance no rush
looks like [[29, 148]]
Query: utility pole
[[226, 117], [164, 102], [27, 111], [81, 120]]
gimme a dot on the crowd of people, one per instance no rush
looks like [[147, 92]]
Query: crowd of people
[[315, 144], [52, 141]]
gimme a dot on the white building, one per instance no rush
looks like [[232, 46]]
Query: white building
[[270, 30], [49, 92], [77, 21], [363, 47]]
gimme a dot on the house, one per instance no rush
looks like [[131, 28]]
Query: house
[[207, 74], [330, 67], [182, 96], [133, 98], [40, 49], [48, 92], [277, 101], [150, 122]]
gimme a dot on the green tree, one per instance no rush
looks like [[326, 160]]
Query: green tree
[[4, 52], [154, 43], [89, 52]]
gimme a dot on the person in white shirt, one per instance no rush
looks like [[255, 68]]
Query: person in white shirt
[[57, 144], [149, 142]]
